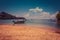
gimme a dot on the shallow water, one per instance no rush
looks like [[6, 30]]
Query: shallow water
[[48, 22]]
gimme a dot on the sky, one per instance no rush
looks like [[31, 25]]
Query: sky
[[24, 7]]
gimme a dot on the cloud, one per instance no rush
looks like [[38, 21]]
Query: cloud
[[38, 13], [37, 9], [45, 15], [27, 15], [53, 16]]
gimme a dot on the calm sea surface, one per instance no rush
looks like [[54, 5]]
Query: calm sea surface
[[33, 21]]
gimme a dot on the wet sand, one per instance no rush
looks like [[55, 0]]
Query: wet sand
[[27, 32]]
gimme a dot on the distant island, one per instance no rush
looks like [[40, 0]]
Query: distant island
[[4, 15]]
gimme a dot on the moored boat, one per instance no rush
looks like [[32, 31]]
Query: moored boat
[[19, 21]]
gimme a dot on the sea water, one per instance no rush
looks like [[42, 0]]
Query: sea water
[[32, 21], [42, 21]]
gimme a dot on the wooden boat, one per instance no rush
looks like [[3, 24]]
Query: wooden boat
[[19, 21]]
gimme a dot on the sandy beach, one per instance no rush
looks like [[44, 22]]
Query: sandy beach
[[27, 32]]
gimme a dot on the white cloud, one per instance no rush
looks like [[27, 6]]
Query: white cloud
[[38, 13], [27, 15], [53, 16], [37, 9], [45, 15]]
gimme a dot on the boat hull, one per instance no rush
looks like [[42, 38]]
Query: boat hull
[[19, 22]]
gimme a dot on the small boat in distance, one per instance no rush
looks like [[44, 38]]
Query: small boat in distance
[[19, 21]]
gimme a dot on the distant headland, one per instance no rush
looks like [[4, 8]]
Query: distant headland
[[4, 15]]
